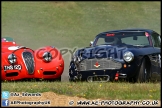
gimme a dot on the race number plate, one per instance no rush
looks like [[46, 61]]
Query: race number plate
[[12, 67]]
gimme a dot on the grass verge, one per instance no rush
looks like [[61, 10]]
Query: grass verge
[[110, 90]]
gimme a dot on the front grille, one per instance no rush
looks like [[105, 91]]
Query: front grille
[[90, 64], [29, 61]]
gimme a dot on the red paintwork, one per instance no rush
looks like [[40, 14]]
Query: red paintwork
[[56, 65]]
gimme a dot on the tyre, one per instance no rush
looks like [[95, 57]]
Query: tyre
[[143, 75], [72, 73], [73, 79], [71, 76]]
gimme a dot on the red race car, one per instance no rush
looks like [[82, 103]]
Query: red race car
[[19, 62]]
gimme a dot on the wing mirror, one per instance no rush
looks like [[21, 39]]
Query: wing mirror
[[91, 43]]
